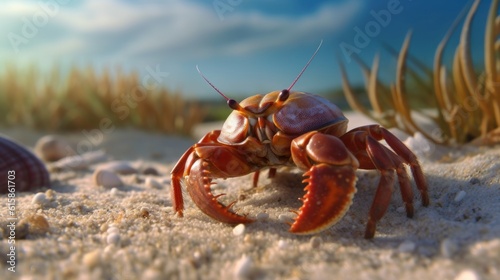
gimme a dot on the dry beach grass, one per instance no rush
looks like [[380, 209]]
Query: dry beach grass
[[82, 99], [462, 102]]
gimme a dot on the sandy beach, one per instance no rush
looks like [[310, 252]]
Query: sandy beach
[[77, 230]]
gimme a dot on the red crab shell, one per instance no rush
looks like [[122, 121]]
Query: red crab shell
[[299, 113]]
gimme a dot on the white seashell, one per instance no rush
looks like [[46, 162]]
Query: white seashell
[[152, 183], [448, 248], [282, 244], [113, 192], [79, 162], [112, 229], [113, 239], [119, 167], [285, 218], [315, 242], [459, 196], [239, 230], [262, 216], [20, 169], [107, 179], [467, 274], [243, 268], [52, 148], [40, 199], [407, 246]]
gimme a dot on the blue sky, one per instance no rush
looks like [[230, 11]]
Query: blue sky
[[244, 47]]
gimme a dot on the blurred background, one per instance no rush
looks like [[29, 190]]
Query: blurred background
[[69, 64]]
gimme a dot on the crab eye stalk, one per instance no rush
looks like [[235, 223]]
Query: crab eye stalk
[[233, 104], [284, 94]]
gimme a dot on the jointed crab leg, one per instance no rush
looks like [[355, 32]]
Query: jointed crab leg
[[363, 143], [182, 168], [271, 174], [384, 161]]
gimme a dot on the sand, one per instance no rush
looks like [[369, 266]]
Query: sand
[[77, 230]]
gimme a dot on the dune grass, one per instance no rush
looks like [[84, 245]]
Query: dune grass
[[82, 99], [462, 102]]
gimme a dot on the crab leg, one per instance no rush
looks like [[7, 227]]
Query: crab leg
[[177, 173], [363, 143], [330, 181], [385, 188], [355, 140], [181, 168], [270, 175]]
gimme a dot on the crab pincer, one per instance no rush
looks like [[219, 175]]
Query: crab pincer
[[330, 179], [199, 183]]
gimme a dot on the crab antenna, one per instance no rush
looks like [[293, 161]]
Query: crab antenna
[[206, 80], [305, 67], [233, 104]]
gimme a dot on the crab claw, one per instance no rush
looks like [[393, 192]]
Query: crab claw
[[198, 187], [329, 193]]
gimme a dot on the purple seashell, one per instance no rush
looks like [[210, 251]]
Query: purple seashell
[[20, 168]]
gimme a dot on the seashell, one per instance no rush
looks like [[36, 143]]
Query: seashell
[[79, 162], [52, 148], [21, 167], [150, 171], [239, 230], [244, 268], [119, 167], [107, 179], [152, 183], [40, 199]]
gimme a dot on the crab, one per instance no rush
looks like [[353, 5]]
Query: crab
[[289, 128]]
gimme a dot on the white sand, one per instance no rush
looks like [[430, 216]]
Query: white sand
[[131, 232]]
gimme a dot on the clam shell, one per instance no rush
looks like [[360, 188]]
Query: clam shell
[[21, 167], [107, 179], [52, 148]]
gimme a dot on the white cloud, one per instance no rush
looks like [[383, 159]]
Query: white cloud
[[116, 28], [198, 31]]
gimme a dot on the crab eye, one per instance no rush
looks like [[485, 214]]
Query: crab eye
[[233, 104], [283, 95]]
